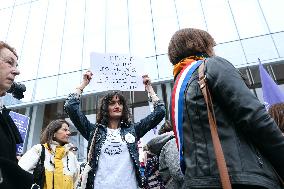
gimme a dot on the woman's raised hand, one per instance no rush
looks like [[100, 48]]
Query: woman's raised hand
[[146, 82], [87, 77], [149, 88]]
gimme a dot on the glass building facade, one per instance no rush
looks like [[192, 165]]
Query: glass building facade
[[54, 39]]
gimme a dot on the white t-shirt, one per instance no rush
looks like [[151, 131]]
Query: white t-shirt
[[115, 167]]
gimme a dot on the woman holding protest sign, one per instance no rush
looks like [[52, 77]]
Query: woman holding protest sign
[[115, 158]]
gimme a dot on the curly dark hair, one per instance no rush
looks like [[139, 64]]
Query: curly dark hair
[[276, 111], [189, 42], [103, 114], [48, 133], [5, 45]]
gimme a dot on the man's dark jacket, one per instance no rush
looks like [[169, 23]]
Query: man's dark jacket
[[9, 136], [251, 141], [12, 176]]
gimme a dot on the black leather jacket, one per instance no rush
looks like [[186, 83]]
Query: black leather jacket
[[250, 139], [138, 130], [9, 136]]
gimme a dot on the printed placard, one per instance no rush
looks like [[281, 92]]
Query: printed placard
[[22, 123]]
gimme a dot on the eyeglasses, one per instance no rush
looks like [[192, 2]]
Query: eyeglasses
[[10, 61]]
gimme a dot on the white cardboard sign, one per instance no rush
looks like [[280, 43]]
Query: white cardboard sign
[[117, 72]]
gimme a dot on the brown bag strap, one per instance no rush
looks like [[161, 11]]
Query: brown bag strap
[[221, 163]]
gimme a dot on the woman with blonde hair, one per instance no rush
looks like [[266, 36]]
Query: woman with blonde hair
[[60, 164]]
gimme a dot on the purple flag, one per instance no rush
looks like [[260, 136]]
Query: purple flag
[[271, 91]]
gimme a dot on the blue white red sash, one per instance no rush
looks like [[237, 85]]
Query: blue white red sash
[[177, 100]]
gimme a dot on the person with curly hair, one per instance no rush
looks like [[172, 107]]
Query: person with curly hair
[[115, 159], [276, 111], [252, 144]]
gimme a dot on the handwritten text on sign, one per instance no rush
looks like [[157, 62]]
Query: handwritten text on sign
[[117, 72]]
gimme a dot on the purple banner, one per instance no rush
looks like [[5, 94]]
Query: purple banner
[[272, 94], [22, 122]]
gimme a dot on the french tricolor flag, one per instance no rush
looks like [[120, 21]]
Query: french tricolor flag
[[177, 100]]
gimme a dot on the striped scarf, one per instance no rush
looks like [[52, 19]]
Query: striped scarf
[[182, 72], [186, 61]]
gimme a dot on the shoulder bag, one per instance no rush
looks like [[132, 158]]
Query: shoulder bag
[[39, 171], [221, 163]]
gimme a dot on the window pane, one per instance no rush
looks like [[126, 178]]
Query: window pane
[[190, 14], [32, 43], [165, 23], [274, 14], [253, 50], [5, 15], [141, 29], [152, 70], [46, 88], [117, 40], [219, 20], [279, 41], [233, 52], [18, 2], [5, 4], [51, 46], [165, 67], [29, 90], [277, 69], [17, 27], [68, 82], [94, 36], [248, 17], [71, 56]]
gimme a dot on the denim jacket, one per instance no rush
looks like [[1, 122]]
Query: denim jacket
[[138, 130]]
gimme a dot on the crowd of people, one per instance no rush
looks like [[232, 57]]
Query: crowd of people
[[183, 155]]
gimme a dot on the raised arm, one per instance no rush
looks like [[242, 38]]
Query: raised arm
[[148, 87], [73, 109], [152, 120]]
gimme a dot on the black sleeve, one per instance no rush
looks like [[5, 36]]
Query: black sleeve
[[80, 121], [151, 121], [243, 107], [12, 126]]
